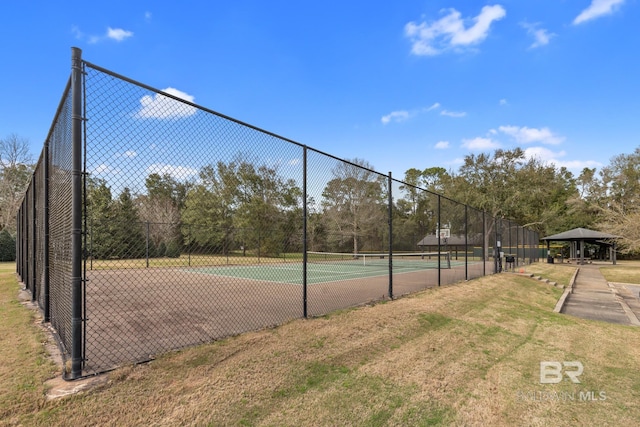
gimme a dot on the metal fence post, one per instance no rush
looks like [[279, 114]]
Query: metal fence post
[[76, 214], [439, 244], [47, 296], [304, 233], [485, 244], [390, 237], [466, 242], [18, 243], [34, 234]]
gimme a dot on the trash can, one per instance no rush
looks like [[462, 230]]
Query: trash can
[[549, 259]]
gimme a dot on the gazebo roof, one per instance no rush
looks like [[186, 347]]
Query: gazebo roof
[[580, 234]]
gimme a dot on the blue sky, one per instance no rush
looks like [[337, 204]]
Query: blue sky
[[410, 84]]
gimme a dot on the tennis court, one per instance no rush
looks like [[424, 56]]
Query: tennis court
[[324, 267], [133, 314]]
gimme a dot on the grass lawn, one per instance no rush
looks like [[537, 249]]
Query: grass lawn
[[467, 354], [623, 272]]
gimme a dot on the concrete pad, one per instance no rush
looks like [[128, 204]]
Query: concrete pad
[[58, 387], [592, 298]]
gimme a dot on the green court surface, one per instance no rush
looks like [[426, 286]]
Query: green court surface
[[316, 273]]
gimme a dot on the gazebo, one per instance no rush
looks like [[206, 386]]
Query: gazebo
[[577, 239]]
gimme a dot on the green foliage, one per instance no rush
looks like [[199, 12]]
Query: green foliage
[[173, 250], [507, 184], [7, 246], [160, 250], [547, 198], [354, 207], [99, 217], [114, 226], [161, 209], [240, 205], [128, 238], [620, 214]]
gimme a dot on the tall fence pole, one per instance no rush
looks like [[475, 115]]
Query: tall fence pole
[[304, 233], [466, 242], [390, 214], [47, 297], [439, 244], [76, 213], [34, 247]]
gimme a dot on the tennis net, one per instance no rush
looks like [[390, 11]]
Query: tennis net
[[421, 260]]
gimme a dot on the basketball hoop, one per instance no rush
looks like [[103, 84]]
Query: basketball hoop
[[444, 233]]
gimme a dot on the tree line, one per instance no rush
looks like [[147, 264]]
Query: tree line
[[508, 184], [243, 206]]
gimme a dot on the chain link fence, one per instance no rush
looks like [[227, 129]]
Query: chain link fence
[[153, 224]]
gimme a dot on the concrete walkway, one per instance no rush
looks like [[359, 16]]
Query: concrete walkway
[[593, 298]]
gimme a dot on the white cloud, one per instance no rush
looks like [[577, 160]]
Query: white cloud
[[442, 145], [434, 107], [503, 102], [451, 31], [396, 116], [479, 144], [103, 169], [553, 158], [174, 171], [456, 114], [543, 154], [129, 154], [147, 16], [455, 162], [118, 34], [540, 35], [159, 106], [577, 165], [76, 32], [596, 9], [525, 135]]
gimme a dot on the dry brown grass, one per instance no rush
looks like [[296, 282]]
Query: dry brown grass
[[623, 272], [559, 273], [24, 363], [466, 354]]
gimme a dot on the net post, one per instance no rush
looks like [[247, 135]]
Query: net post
[[76, 214], [390, 219]]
